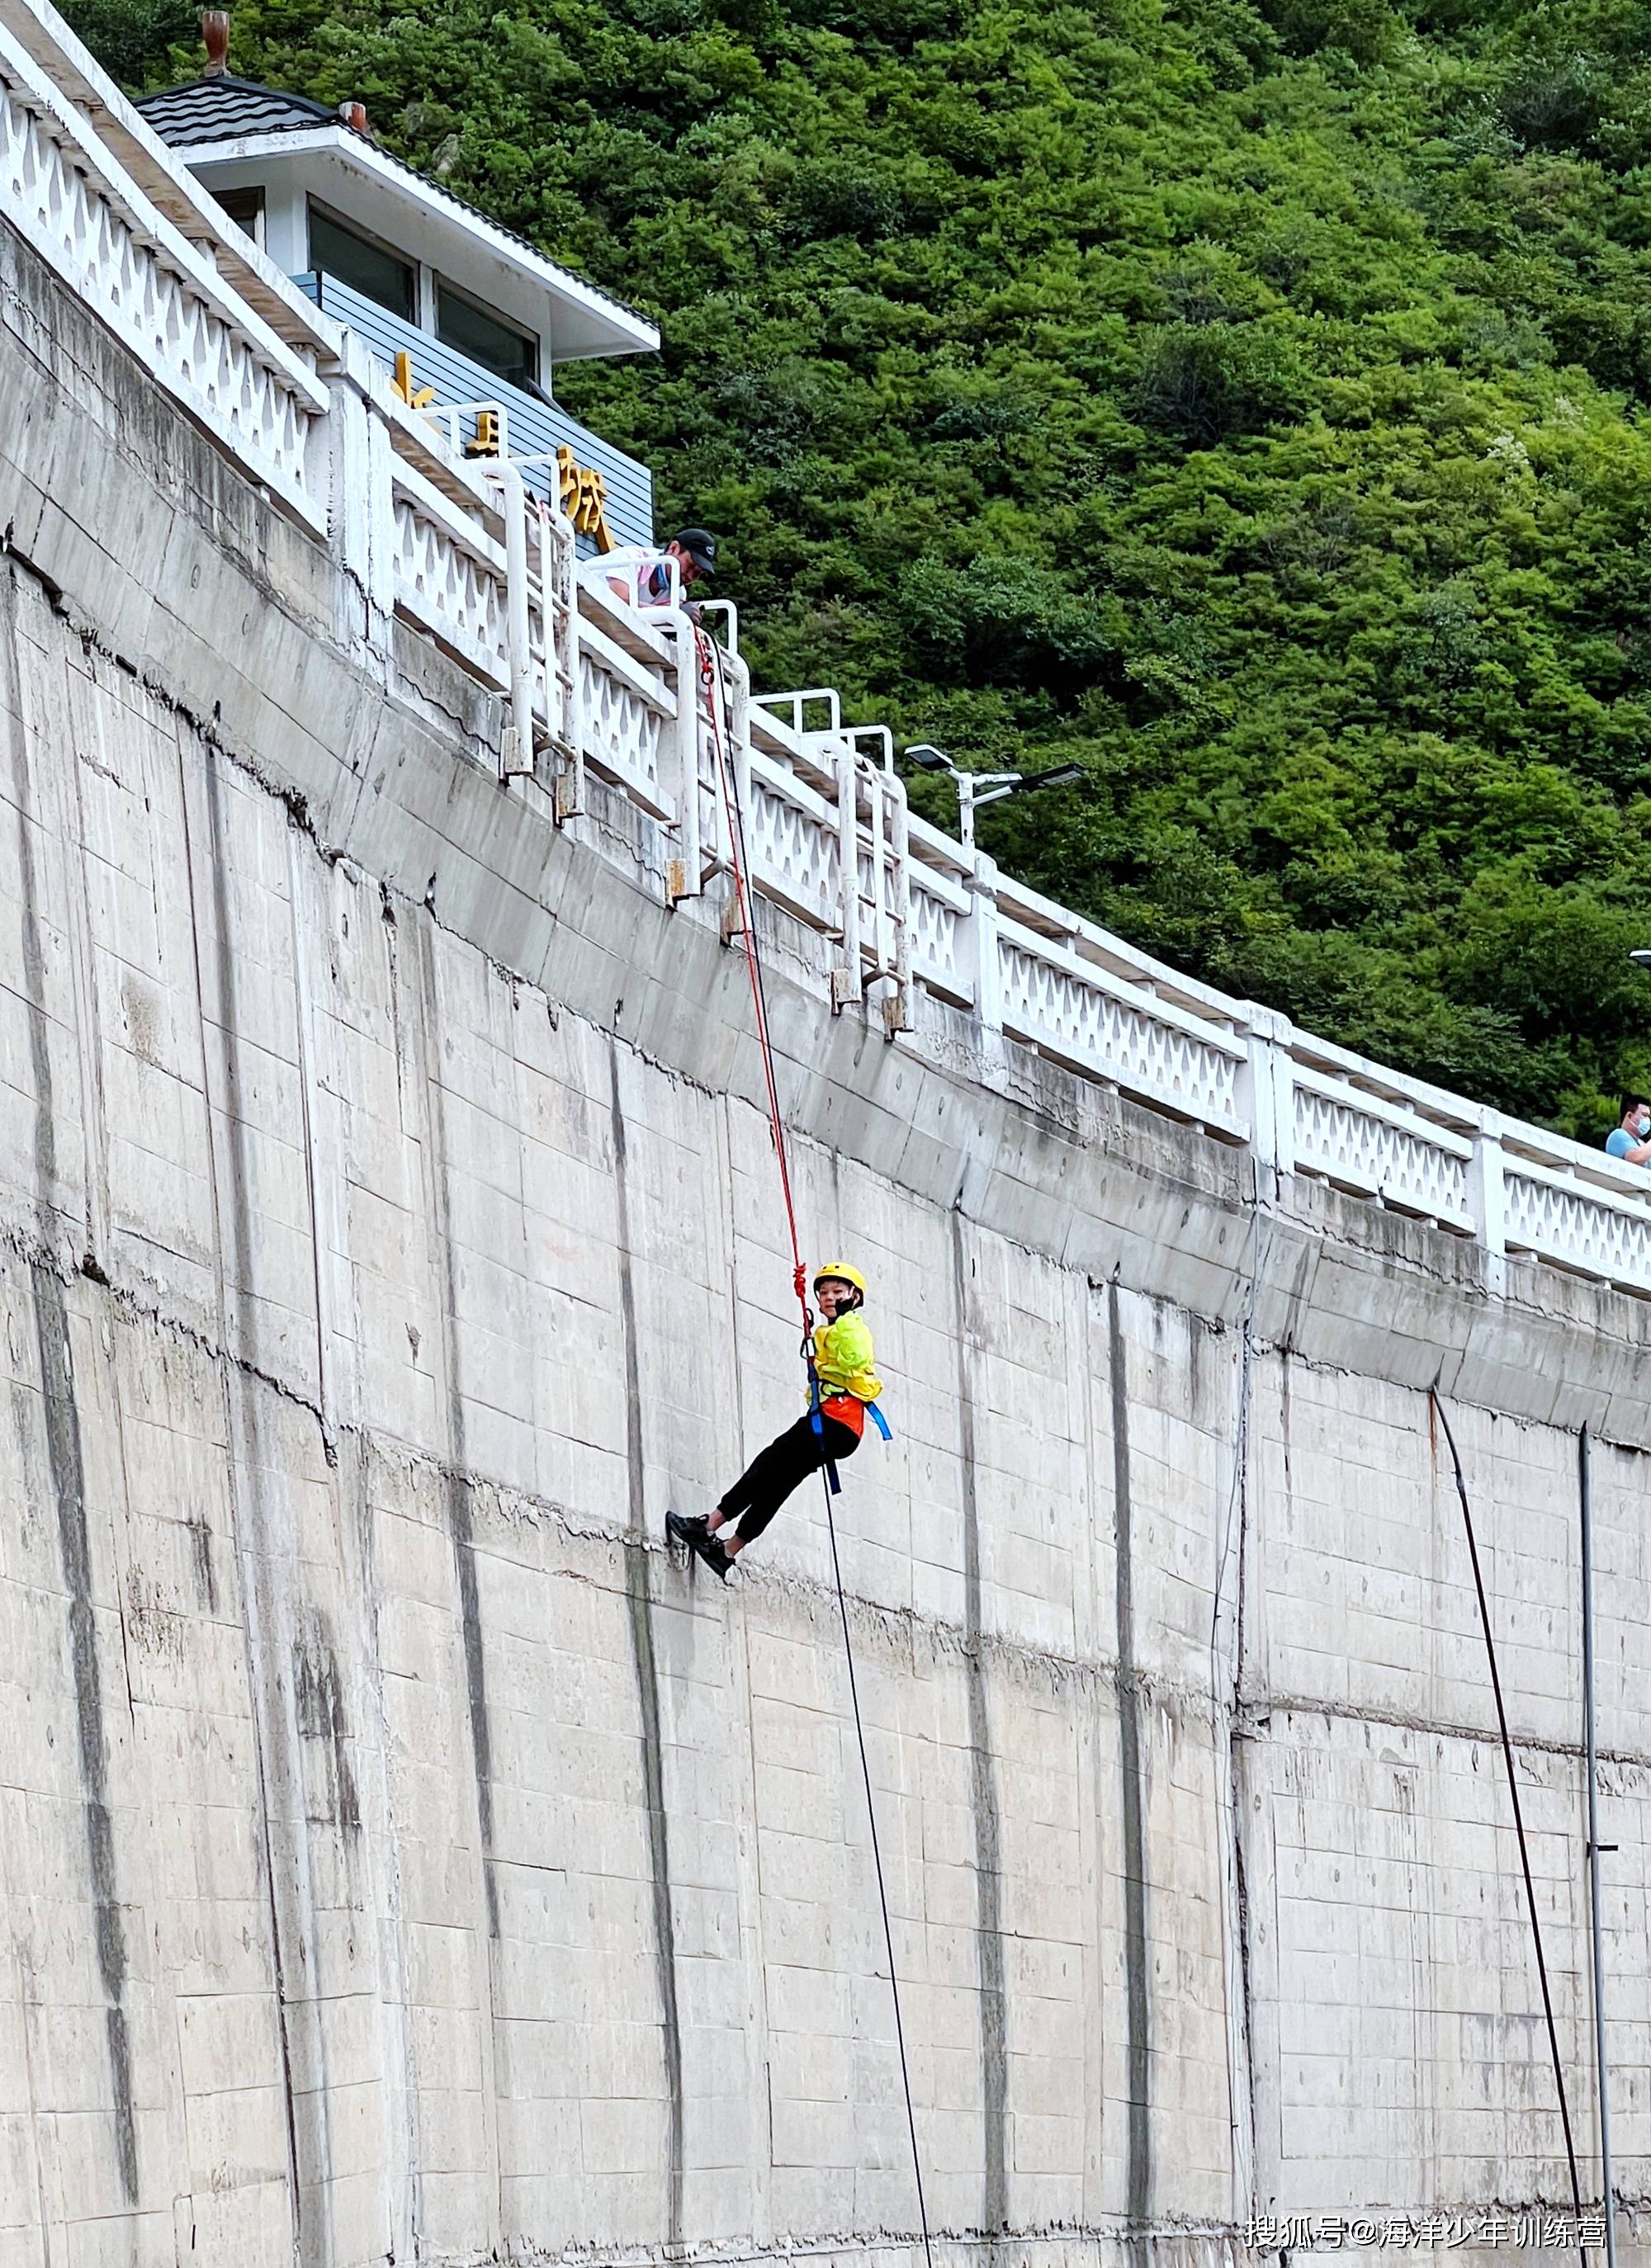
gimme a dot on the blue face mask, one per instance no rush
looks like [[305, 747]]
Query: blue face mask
[[1642, 1126]]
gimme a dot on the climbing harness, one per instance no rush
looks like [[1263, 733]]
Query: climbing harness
[[711, 680], [834, 1485]]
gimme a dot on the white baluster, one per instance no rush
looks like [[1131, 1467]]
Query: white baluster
[[981, 953], [361, 506], [1487, 1199], [1267, 1097]]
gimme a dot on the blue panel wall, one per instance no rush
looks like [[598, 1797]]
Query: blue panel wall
[[453, 377]]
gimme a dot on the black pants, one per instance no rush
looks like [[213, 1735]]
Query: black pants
[[774, 1472]]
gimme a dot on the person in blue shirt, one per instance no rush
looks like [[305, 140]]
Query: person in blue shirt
[[1629, 1140]]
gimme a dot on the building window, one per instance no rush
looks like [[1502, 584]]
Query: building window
[[461, 323], [244, 208], [371, 268]]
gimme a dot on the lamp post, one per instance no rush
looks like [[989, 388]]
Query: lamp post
[[976, 789]]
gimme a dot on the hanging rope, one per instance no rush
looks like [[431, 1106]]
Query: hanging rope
[[711, 678], [1512, 1789], [882, 1894]]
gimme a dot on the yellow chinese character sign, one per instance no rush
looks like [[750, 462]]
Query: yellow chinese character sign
[[584, 500], [584, 492], [416, 396]]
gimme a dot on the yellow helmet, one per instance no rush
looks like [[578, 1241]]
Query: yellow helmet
[[843, 1273]]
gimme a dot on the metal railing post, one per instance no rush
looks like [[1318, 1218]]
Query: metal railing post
[[897, 1006], [879, 868], [684, 878], [736, 723], [515, 747], [565, 689], [845, 977]]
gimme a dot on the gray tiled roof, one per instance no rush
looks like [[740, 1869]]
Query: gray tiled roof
[[213, 109], [220, 109]]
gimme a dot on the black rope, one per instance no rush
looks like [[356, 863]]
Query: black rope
[[882, 1894], [831, 1530], [1512, 1789]]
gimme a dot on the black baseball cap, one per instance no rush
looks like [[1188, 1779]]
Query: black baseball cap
[[697, 544]]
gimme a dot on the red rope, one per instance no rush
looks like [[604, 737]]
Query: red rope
[[708, 675]]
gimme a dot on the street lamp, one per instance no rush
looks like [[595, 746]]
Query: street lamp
[[975, 789], [1642, 953]]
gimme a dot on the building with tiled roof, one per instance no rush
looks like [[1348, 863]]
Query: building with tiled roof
[[459, 310]]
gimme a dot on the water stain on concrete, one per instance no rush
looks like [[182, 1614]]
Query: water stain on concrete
[[258, 1543], [69, 1494], [200, 1535], [64, 1454], [318, 1700], [460, 1493], [641, 1607]]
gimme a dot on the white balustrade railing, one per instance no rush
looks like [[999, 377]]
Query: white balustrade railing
[[792, 834], [589, 685], [75, 205], [450, 575], [1369, 1143], [1574, 1219], [1087, 1016]]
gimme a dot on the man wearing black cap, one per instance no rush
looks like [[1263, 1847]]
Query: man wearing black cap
[[643, 578], [694, 552]]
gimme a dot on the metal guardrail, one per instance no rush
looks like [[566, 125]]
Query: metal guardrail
[[591, 685]]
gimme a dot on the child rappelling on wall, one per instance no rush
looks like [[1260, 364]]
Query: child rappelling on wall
[[843, 1386]]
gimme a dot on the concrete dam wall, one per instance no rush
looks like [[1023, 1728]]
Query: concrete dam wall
[[405, 1858]]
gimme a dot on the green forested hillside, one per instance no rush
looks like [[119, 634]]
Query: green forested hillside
[[1247, 399]]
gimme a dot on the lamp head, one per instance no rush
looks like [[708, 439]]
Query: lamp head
[[927, 757], [1642, 953], [1052, 777]]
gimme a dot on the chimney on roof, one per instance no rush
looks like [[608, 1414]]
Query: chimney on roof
[[355, 114], [215, 31]]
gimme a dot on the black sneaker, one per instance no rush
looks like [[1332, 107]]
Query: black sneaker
[[715, 1556]]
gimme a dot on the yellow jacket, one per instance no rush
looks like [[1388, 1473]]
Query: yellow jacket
[[842, 1358]]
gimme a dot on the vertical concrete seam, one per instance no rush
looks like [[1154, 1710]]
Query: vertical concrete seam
[[356, 1455], [273, 1742], [641, 1616], [320, 1257], [1226, 1706], [83, 962], [461, 1506], [1132, 1775], [29, 2008], [984, 1806], [66, 1462], [421, 1097]]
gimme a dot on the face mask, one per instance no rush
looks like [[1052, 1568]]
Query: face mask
[[1642, 1126]]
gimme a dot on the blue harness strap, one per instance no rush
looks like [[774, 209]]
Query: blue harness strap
[[818, 1422]]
